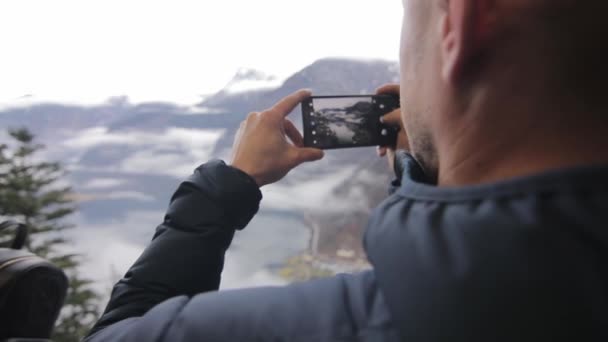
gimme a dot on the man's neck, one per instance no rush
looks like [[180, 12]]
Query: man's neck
[[515, 141]]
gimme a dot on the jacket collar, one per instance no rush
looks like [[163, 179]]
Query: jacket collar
[[420, 264]]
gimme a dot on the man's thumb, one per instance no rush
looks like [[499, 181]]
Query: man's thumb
[[308, 155]]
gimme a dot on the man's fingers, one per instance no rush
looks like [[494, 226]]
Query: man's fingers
[[287, 104], [293, 134], [381, 150], [304, 155], [388, 89], [393, 118]]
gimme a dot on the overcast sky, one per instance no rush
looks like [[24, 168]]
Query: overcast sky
[[85, 51]]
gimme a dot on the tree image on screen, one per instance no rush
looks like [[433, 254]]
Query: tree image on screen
[[343, 121]]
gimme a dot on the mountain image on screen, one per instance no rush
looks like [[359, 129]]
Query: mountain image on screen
[[342, 122]]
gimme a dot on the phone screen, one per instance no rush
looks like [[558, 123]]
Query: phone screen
[[346, 121]]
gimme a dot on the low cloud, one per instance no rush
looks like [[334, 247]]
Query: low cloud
[[111, 247], [175, 152], [173, 137], [312, 194], [129, 195], [103, 183]]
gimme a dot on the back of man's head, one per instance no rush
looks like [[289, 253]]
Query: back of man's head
[[505, 75]]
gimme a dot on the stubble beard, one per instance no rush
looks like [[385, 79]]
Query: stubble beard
[[424, 151]]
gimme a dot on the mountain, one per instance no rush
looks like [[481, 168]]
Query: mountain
[[324, 77], [247, 80], [126, 159]]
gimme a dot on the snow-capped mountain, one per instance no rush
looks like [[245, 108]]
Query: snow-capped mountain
[[247, 80]]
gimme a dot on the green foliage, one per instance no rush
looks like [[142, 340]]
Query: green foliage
[[30, 192]]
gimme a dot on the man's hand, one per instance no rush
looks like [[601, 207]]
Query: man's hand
[[393, 119], [261, 148]]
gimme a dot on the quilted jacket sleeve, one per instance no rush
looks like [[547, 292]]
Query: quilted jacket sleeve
[[186, 255]]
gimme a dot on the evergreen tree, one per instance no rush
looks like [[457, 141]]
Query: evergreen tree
[[30, 192]]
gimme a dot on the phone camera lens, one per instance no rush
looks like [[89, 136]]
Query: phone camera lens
[[384, 132]]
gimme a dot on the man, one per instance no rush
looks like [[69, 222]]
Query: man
[[496, 233]]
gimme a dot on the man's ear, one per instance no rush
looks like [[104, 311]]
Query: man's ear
[[466, 26]]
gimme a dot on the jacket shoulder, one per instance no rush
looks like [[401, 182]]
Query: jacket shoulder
[[342, 308]]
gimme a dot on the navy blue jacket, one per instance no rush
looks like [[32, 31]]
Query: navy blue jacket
[[521, 260]]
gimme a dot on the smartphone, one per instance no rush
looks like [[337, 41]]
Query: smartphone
[[333, 122]]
